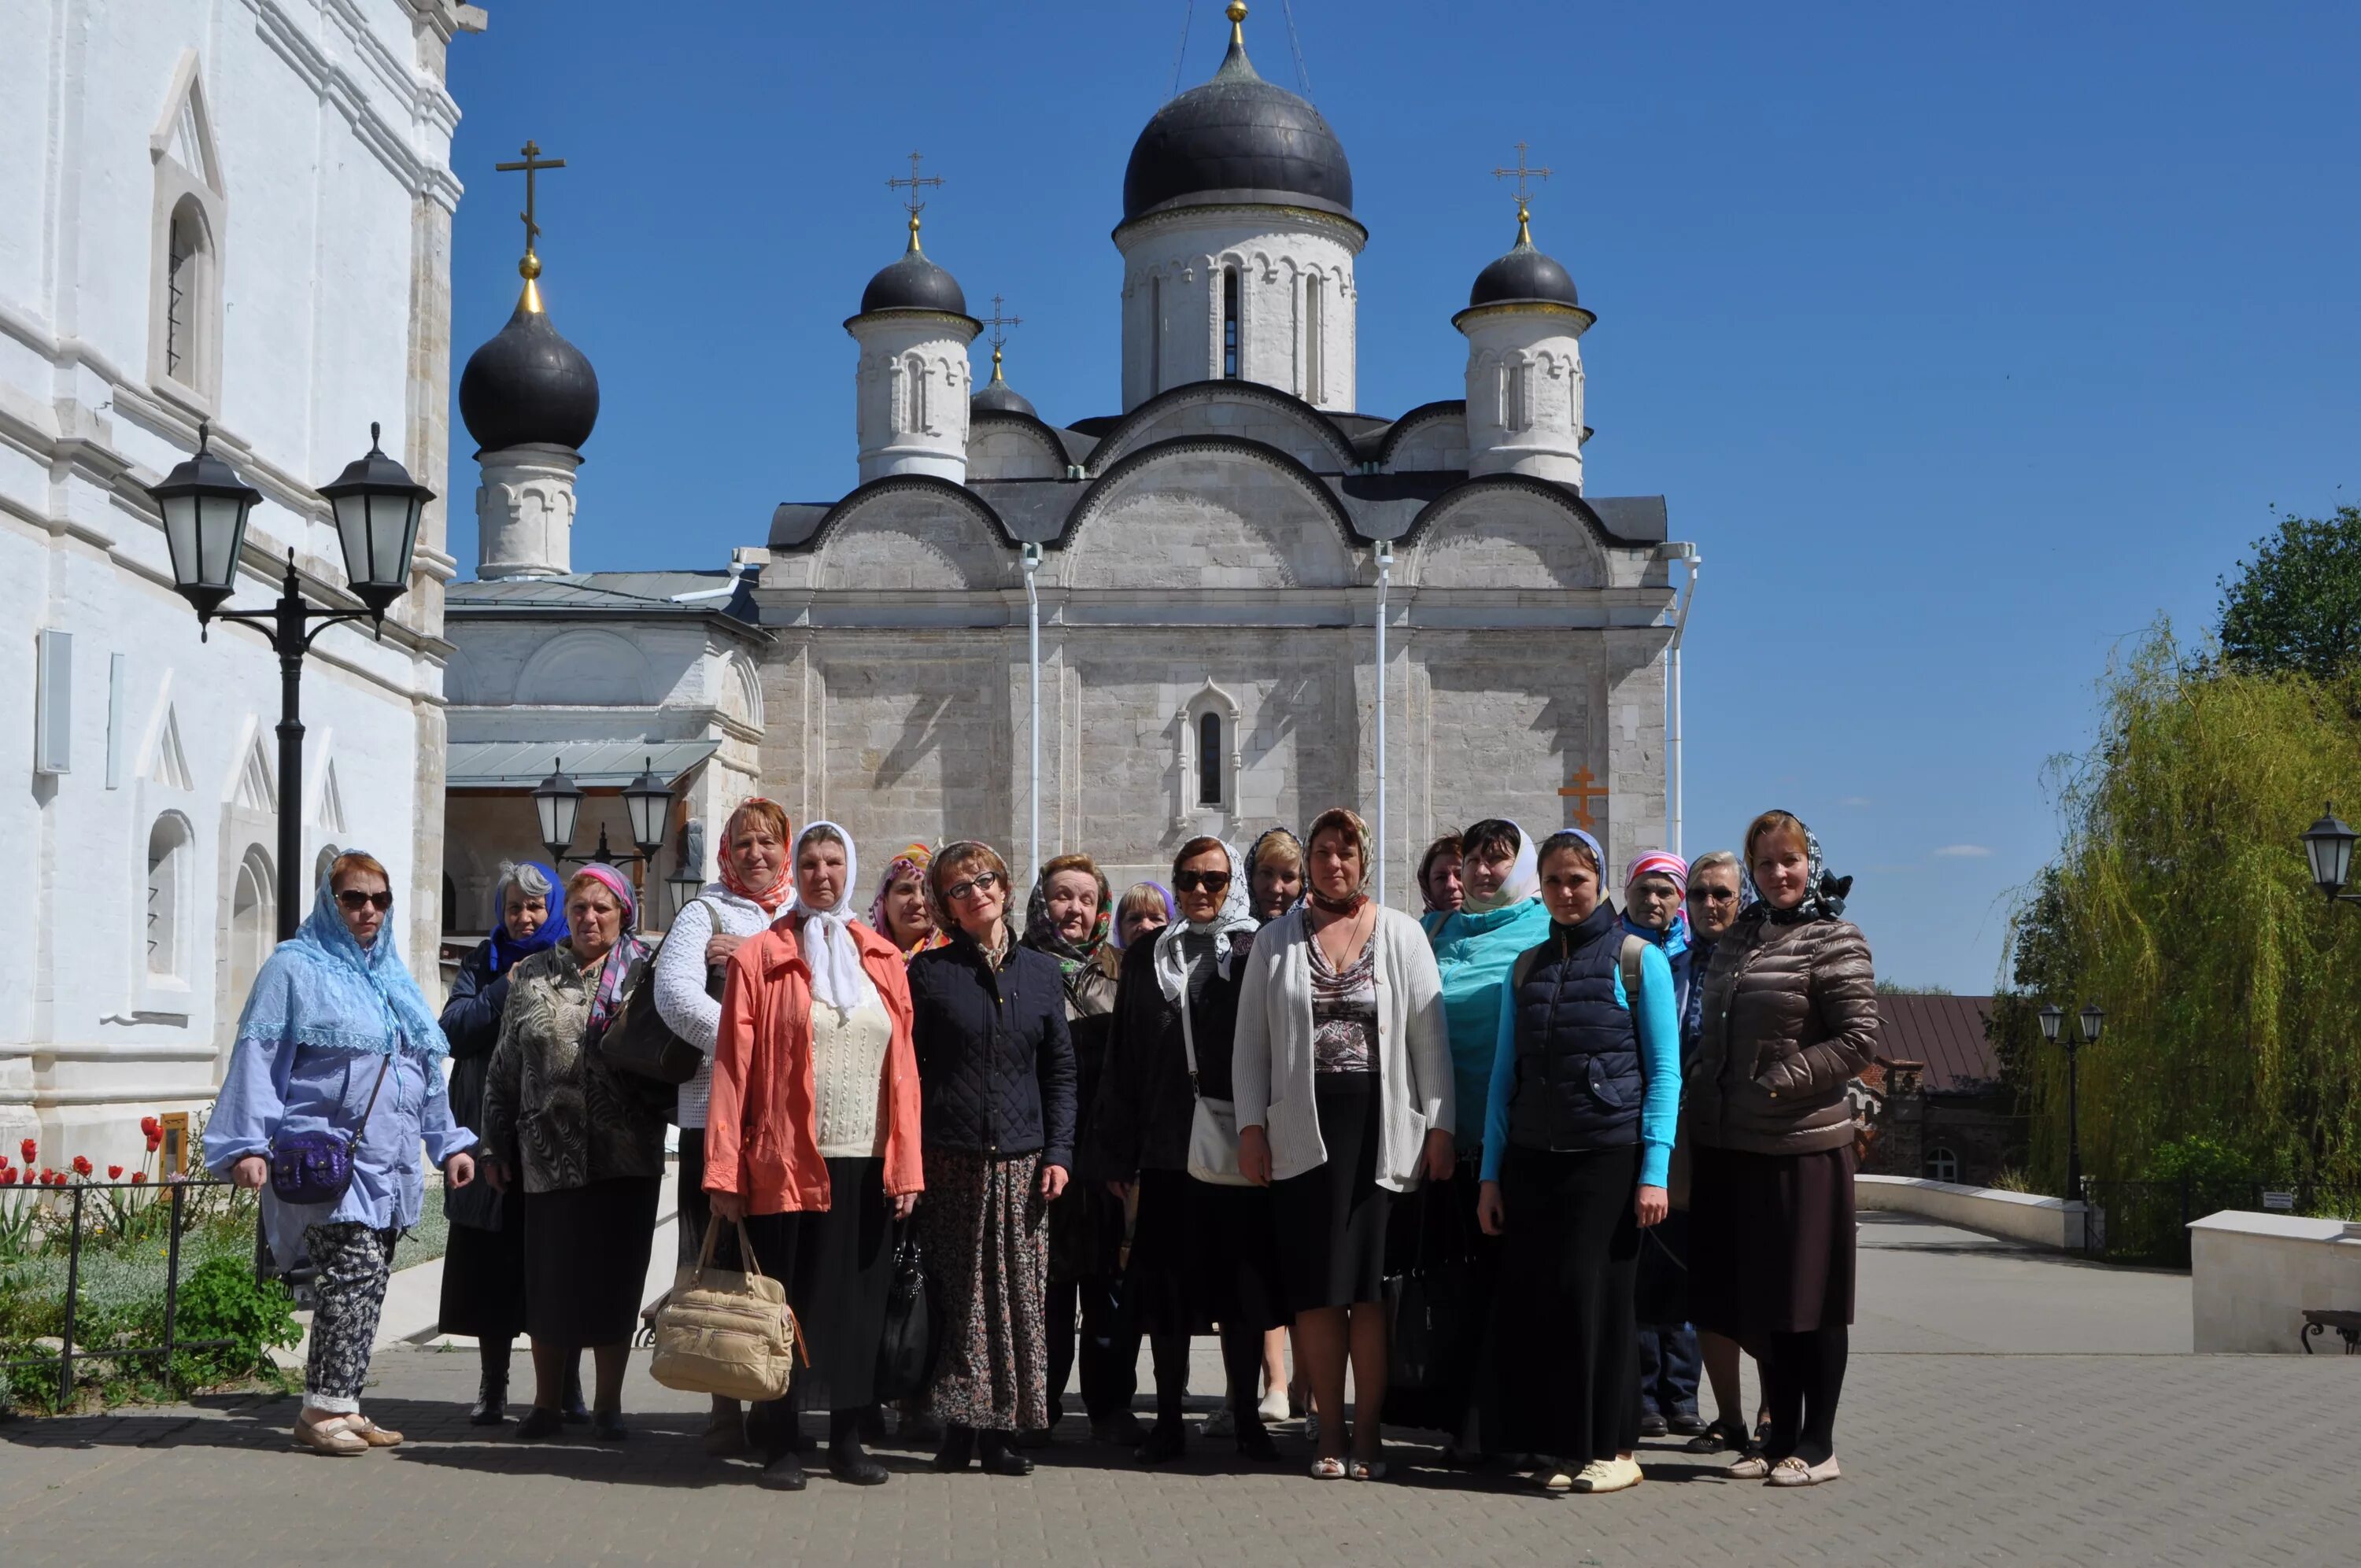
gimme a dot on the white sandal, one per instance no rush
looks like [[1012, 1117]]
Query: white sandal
[[1327, 1469]]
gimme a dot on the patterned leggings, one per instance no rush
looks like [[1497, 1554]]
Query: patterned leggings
[[356, 1264]]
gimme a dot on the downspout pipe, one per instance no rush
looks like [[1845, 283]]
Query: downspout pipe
[[1032, 558], [1688, 555], [1385, 577]]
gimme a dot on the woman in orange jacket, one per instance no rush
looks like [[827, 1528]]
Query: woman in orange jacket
[[813, 1141]]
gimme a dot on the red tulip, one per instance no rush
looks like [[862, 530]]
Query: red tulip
[[82, 1165], [151, 1126], [32, 1150], [155, 1142], [139, 1177], [114, 1173], [8, 1177]]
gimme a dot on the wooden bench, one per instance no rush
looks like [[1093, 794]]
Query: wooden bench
[[2346, 1324]]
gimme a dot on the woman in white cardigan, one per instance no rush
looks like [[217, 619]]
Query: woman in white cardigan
[[753, 889], [1343, 1078]]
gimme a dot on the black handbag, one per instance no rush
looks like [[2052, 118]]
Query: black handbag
[[639, 1041], [905, 1355], [1429, 1317]]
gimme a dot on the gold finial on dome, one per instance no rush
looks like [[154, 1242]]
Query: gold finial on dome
[[1238, 15], [530, 267]]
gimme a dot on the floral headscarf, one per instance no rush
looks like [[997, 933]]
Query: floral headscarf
[[607, 992], [1042, 932], [321, 988], [913, 860], [1824, 895], [782, 889], [1173, 970]]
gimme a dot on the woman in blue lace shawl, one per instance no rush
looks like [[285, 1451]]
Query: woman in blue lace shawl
[[336, 1038]]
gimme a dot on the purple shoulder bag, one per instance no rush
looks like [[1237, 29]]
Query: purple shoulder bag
[[316, 1167]]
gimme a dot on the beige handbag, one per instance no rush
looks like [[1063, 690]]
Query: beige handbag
[[721, 1331]]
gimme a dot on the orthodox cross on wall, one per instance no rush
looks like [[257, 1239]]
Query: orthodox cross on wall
[[534, 164], [1579, 791]]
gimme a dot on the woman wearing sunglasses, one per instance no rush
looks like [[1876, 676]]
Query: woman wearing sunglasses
[[1202, 1251], [996, 1110]]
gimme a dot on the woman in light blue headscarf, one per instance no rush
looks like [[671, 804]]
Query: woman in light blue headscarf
[[337, 1039]]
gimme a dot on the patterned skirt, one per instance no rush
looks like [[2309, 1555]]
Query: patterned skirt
[[985, 1233]]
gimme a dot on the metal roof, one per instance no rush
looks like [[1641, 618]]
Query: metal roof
[[591, 764], [628, 593], [1947, 1033]]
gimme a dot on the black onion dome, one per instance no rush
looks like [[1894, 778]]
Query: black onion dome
[[1524, 275], [528, 385], [914, 283], [997, 395], [1241, 138]]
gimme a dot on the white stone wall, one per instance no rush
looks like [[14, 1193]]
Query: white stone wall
[[1173, 301], [316, 136], [1524, 391], [911, 391]]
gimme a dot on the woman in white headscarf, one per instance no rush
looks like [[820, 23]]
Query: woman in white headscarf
[[1203, 1251], [813, 1141]]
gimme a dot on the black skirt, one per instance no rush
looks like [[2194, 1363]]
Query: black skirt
[[1332, 1219], [1771, 1242], [1203, 1254], [1567, 1347], [586, 1260], [838, 1265], [483, 1278]]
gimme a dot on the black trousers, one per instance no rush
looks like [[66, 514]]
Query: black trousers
[[1107, 1345]]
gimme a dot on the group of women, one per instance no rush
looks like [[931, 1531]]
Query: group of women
[[1231, 1106]]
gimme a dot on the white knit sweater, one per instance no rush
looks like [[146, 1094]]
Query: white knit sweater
[[681, 998], [849, 1075]]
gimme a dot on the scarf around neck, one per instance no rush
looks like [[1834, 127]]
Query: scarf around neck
[[830, 951], [321, 988], [1172, 958], [1824, 895], [1525, 874], [607, 989], [1042, 935]]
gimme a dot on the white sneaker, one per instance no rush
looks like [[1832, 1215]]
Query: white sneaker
[[1608, 1475], [1223, 1422]]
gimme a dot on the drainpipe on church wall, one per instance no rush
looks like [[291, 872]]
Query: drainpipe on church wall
[[1385, 576], [1032, 557], [1688, 556]]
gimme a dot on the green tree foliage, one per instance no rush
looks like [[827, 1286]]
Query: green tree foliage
[[2181, 904], [2297, 604]]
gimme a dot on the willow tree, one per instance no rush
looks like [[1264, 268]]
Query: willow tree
[[2183, 903]]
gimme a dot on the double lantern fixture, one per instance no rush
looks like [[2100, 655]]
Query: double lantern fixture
[[647, 802]]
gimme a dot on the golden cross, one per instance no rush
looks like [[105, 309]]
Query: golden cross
[[1524, 194], [1579, 789], [534, 164], [912, 203]]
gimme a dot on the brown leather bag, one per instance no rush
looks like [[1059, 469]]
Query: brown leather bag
[[639, 1041], [726, 1332]]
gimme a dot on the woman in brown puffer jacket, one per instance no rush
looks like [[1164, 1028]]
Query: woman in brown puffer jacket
[[1790, 1015]]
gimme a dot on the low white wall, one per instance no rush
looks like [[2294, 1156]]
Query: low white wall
[[2254, 1275], [2025, 1217]]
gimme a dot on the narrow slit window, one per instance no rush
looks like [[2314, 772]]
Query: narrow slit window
[[179, 296], [1512, 396], [1209, 758], [1312, 313], [1155, 334], [1229, 323]]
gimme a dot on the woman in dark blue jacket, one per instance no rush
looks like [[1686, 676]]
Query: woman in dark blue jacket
[[483, 1265], [1578, 1139], [997, 1098]]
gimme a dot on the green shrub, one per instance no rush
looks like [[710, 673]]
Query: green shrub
[[222, 1299]]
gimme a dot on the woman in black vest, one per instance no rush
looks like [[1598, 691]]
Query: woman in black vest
[[1577, 1140]]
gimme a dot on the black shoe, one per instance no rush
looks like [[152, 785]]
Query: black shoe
[[872, 1423], [570, 1405], [1652, 1425], [542, 1423], [1254, 1440], [1717, 1437], [1688, 1425], [491, 1403], [851, 1463], [1122, 1430], [608, 1426], [784, 1473], [1166, 1441], [999, 1456], [958, 1447]]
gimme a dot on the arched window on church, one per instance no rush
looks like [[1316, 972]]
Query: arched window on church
[[914, 396], [1313, 314], [182, 257], [168, 896], [253, 922], [1512, 395], [1210, 755], [1230, 347], [1155, 334]]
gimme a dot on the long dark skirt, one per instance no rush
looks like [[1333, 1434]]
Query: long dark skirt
[[1567, 1347], [838, 1265], [1333, 1218], [1203, 1254], [696, 1208], [1435, 1230], [483, 1278], [1771, 1242], [586, 1260], [985, 1233]]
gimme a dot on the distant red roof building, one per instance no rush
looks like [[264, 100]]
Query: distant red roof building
[[1945, 1034]]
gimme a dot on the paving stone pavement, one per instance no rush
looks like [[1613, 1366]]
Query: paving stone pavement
[[2093, 1452]]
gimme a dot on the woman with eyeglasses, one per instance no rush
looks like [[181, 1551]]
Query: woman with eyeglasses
[[996, 1085], [335, 1038], [1202, 1252], [582, 1148]]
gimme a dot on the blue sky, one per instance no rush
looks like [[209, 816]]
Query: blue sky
[[1964, 341]]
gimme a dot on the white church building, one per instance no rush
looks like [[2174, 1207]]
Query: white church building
[[238, 215], [1205, 571]]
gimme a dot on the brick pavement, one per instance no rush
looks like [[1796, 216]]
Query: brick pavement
[[1952, 1456]]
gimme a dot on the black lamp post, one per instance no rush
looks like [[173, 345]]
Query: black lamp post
[[2053, 1019], [205, 505], [647, 801], [2328, 845]]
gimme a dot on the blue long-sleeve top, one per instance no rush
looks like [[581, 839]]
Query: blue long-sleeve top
[[1660, 1070]]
